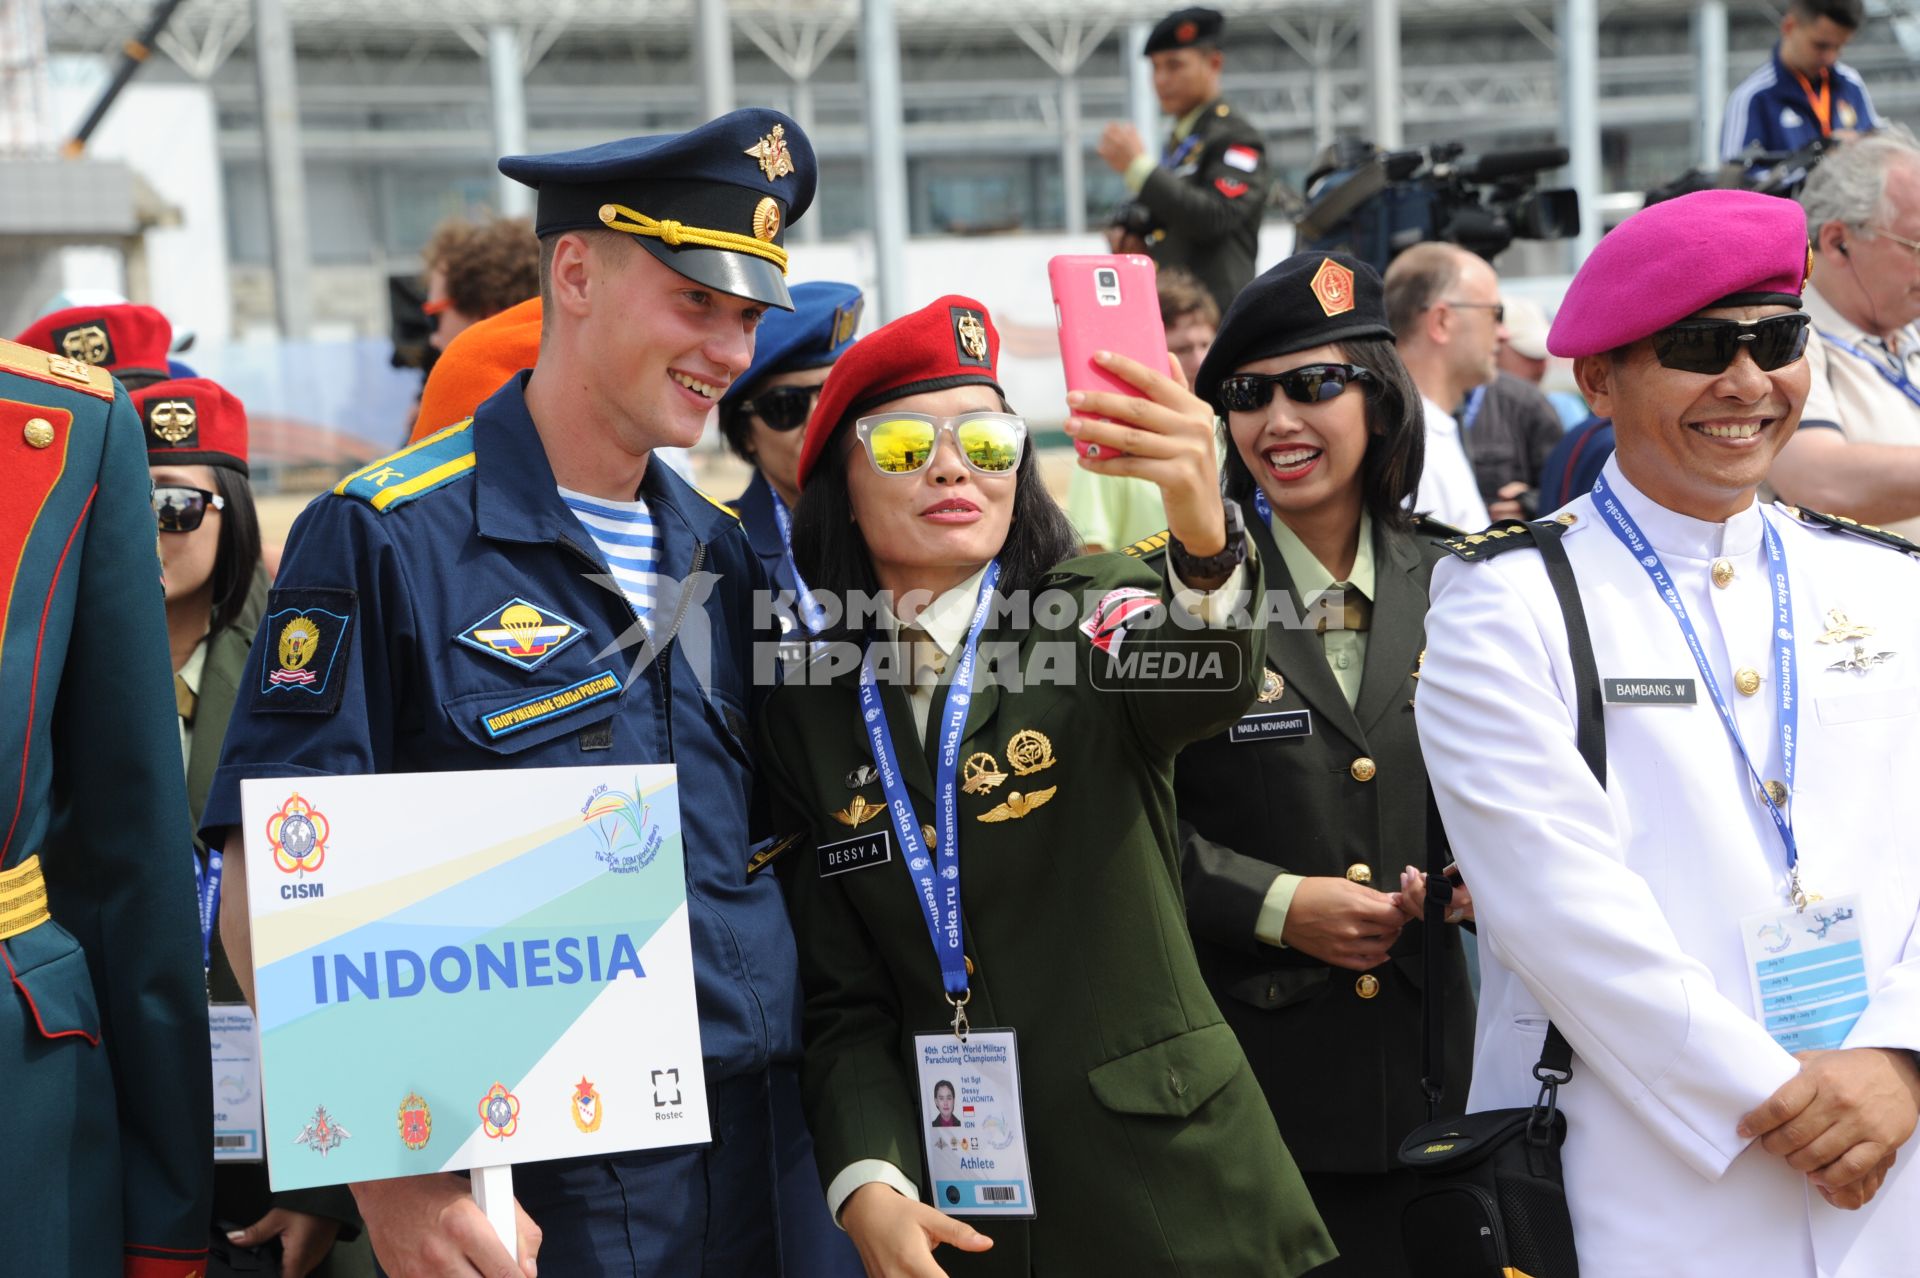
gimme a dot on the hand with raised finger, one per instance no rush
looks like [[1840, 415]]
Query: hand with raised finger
[[1163, 435], [896, 1235], [430, 1227], [1341, 923], [1839, 1099]]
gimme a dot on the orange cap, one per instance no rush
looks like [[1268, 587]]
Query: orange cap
[[476, 364]]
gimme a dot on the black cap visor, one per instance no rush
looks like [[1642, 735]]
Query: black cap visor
[[741, 274]]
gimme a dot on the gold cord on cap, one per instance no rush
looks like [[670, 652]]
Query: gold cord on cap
[[618, 217]]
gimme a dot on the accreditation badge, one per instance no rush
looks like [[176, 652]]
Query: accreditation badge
[[237, 1124], [973, 1124], [1808, 972]]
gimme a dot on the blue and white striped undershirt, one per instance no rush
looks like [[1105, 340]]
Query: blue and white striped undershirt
[[625, 533]]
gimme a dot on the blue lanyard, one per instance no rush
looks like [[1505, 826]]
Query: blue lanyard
[[1175, 154], [812, 615], [206, 887], [1475, 398], [1894, 377], [1628, 532], [1261, 506], [936, 879]]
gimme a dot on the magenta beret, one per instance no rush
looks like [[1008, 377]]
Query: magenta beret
[[1728, 248]]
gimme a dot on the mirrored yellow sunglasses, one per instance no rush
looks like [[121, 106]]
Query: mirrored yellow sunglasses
[[903, 443]]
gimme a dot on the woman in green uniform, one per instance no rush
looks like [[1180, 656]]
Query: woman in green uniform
[[991, 847], [1306, 823], [216, 590]]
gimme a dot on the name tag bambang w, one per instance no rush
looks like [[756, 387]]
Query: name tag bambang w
[[1648, 692]]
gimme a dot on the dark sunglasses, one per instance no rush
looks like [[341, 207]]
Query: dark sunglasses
[[783, 408], [1709, 346], [1309, 384], [180, 509]]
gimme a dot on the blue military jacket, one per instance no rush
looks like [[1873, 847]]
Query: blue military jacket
[[762, 527], [1771, 108], [399, 579]]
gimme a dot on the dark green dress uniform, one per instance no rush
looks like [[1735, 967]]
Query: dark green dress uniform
[[1321, 787], [1152, 1151], [108, 1150], [1206, 198]]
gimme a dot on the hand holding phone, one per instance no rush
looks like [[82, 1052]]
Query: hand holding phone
[[1106, 302]]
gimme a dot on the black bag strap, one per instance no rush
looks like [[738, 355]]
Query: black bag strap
[[1590, 737]]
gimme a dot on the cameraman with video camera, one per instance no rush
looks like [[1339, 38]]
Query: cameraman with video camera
[[1199, 207]]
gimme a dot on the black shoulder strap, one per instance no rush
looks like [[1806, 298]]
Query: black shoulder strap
[[1590, 736]]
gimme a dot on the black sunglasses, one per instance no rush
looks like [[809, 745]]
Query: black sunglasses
[[1709, 346], [1308, 384], [783, 408], [181, 510]]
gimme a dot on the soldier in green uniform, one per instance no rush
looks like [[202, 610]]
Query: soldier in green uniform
[[103, 1016], [1301, 819], [1199, 206], [1039, 756]]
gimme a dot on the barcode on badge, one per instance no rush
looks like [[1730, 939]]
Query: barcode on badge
[[999, 1194], [234, 1140]]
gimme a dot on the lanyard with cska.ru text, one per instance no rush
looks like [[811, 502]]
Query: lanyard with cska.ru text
[[1628, 532], [936, 878], [812, 615]]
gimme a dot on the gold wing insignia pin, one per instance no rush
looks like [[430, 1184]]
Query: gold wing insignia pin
[[981, 773], [859, 812], [1018, 805]]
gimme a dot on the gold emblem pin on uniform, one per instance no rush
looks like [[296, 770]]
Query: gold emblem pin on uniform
[[1842, 630], [766, 219], [171, 420], [981, 773], [1029, 752], [1367, 986], [776, 161], [929, 835], [38, 432], [1272, 686], [74, 370], [1747, 680], [1018, 805], [1359, 872], [859, 812], [1778, 792], [1723, 573], [1362, 769], [973, 335]]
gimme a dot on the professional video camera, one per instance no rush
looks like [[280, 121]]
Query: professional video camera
[[1374, 203], [1780, 173]]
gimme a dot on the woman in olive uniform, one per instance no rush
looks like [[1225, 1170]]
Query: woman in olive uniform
[[1306, 823], [1151, 1151]]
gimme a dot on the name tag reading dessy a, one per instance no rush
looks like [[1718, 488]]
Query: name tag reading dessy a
[[1649, 692], [856, 853], [1270, 727]]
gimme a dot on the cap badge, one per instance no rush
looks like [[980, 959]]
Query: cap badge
[[776, 161], [171, 420], [766, 219], [1333, 288], [846, 319], [1186, 32], [1808, 273], [87, 343], [972, 334]]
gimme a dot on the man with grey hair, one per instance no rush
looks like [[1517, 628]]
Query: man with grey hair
[[1443, 304], [1858, 450]]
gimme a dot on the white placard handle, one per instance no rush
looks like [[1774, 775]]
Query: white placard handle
[[493, 1191]]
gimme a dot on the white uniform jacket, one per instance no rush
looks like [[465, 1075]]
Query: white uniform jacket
[[1617, 913]]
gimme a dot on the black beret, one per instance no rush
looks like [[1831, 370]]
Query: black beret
[[1307, 300], [1185, 28]]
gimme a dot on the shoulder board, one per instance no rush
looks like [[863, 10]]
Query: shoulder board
[[1508, 534], [1840, 523], [1428, 526], [1147, 545], [715, 501], [394, 481], [56, 370]]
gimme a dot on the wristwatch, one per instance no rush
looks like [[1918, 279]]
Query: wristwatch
[[1232, 555]]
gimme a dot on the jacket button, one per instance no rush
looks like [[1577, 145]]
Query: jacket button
[[1273, 991], [1359, 872], [1176, 1084], [38, 432], [1367, 986], [1362, 769]]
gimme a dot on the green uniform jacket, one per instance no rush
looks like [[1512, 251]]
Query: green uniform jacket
[[1337, 1053], [1208, 205], [1152, 1151], [241, 1195], [108, 1162]]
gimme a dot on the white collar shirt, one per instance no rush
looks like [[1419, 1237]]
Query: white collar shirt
[[1856, 384], [1448, 490]]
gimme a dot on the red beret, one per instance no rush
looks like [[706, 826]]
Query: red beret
[[120, 339], [1711, 248], [950, 343], [192, 422]]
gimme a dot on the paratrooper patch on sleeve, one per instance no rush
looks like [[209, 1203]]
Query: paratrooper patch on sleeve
[[308, 633]]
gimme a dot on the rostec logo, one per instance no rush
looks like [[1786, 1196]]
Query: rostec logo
[[666, 1088], [172, 420]]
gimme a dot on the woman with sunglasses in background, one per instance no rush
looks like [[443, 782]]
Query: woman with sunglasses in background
[[216, 591], [977, 776], [1305, 824], [764, 411]]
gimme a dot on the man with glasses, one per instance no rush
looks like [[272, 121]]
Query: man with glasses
[[1443, 304], [1680, 792], [658, 257], [1858, 452]]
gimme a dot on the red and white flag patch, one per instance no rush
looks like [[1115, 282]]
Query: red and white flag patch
[[1108, 624], [1244, 158]]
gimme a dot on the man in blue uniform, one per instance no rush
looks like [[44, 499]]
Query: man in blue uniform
[[1804, 91], [658, 257], [108, 1165]]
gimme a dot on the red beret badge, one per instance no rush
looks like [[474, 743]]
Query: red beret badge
[[1333, 288]]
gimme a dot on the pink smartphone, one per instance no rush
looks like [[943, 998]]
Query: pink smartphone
[[1106, 302]]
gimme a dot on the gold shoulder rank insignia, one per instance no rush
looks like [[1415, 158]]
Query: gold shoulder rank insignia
[[1853, 527], [1018, 805], [56, 370], [768, 855], [1146, 545], [715, 502]]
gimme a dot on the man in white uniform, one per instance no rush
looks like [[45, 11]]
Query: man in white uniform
[[1859, 454], [1443, 304], [1703, 1136]]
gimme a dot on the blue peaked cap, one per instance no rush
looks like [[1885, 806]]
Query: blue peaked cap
[[713, 203], [816, 332]]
